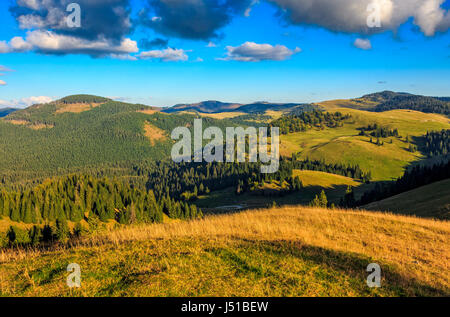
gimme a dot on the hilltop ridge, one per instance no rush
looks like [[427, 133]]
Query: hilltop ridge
[[83, 98], [378, 101]]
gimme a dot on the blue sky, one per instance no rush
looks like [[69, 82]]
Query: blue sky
[[291, 55]]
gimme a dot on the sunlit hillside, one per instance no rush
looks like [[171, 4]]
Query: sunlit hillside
[[344, 144], [275, 252]]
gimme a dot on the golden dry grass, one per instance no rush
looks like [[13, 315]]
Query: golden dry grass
[[394, 239], [40, 126], [77, 107], [5, 223], [149, 111], [274, 114], [18, 122], [182, 258], [416, 249], [360, 104], [31, 125]]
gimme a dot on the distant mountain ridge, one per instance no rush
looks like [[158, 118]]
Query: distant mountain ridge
[[264, 106], [210, 106], [83, 99], [386, 95], [6, 111], [218, 107], [378, 102]]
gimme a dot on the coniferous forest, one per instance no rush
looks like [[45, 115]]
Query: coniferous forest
[[378, 131], [436, 143], [418, 103], [188, 180], [77, 198], [164, 188], [306, 120]]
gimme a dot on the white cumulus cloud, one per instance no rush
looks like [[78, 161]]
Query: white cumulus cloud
[[167, 55], [47, 41], [31, 4], [351, 15], [253, 52], [18, 44], [25, 102], [50, 42]]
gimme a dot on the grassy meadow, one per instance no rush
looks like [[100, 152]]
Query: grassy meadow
[[313, 182], [344, 144]]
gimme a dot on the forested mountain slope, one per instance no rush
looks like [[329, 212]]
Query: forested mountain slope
[[389, 100], [41, 138], [83, 131]]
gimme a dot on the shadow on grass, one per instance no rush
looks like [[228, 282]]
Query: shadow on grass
[[351, 265], [283, 268]]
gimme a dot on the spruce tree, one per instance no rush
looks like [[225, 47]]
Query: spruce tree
[[62, 230], [15, 213], [35, 234], [323, 201], [315, 202]]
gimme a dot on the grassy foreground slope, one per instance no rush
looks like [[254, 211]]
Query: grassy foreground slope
[[427, 201], [275, 252]]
